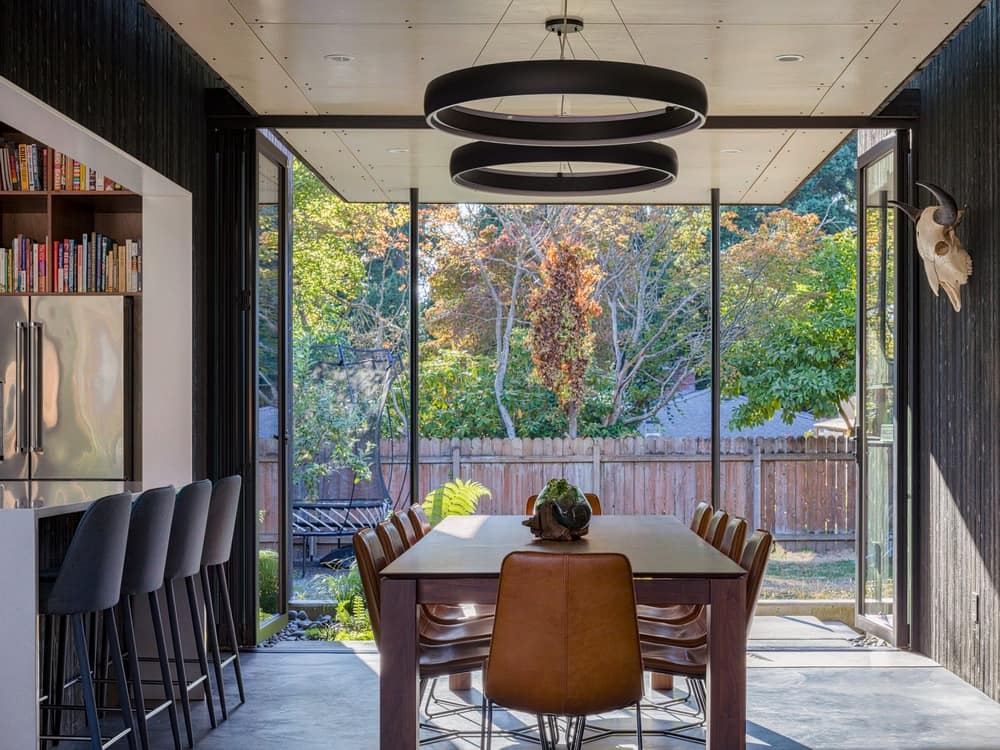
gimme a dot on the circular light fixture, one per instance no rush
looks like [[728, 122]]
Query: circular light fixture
[[790, 58], [448, 99], [338, 58], [561, 24], [493, 167]]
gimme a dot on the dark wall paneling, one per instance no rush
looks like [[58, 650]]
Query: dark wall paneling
[[112, 66], [958, 458]]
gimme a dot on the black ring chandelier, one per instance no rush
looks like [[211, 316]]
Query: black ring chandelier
[[447, 102], [488, 166]]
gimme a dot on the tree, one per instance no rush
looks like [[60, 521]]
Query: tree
[[801, 359], [561, 310]]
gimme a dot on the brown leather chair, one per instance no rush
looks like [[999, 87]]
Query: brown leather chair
[[421, 525], [550, 655], [689, 659], [716, 528], [405, 528], [731, 545], [594, 500], [701, 518]]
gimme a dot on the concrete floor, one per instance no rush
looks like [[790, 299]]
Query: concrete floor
[[808, 687]]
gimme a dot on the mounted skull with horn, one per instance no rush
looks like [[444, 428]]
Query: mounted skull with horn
[[946, 261]]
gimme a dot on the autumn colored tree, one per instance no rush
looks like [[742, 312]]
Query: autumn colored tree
[[561, 310]]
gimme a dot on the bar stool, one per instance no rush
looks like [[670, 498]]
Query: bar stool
[[145, 561], [187, 539], [218, 549], [89, 582]]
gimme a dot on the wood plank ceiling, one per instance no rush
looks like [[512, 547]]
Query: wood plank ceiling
[[282, 57]]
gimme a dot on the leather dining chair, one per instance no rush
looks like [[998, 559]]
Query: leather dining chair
[[594, 500], [405, 528], [701, 518], [548, 651], [716, 528], [688, 658], [438, 659], [421, 524]]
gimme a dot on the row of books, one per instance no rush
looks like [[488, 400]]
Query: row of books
[[27, 167], [94, 263]]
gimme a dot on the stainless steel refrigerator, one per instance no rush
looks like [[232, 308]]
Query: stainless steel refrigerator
[[64, 398]]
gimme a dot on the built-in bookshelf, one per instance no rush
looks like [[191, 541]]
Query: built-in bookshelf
[[64, 227]]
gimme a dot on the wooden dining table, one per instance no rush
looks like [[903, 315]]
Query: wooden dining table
[[459, 561]]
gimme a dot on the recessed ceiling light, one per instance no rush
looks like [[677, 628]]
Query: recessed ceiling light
[[338, 58], [790, 58], [398, 150], [731, 151]]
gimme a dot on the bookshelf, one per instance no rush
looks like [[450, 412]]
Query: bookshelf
[[96, 221]]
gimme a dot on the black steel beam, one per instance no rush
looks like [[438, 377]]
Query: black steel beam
[[417, 122], [716, 348], [414, 436]]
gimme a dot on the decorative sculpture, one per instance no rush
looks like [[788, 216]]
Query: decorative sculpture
[[946, 261], [562, 513]]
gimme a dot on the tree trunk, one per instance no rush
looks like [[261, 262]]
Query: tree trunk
[[572, 412]]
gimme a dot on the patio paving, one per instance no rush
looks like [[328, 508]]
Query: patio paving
[[807, 687]]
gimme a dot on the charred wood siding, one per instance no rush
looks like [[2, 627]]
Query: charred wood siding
[[957, 455], [116, 69]]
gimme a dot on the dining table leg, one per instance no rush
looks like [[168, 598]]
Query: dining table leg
[[398, 671], [727, 673]]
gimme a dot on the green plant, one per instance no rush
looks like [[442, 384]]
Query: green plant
[[455, 498], [267, 580]]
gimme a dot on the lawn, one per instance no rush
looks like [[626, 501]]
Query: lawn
[[809, 575]]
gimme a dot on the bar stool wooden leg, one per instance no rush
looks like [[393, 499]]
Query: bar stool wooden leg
[[115, 646], [199, 647], [161, 652], [128, 630], [175, 636], [227, 611], [661, 681], [213, 640]]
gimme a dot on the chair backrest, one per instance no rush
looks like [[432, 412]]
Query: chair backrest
[[701, 518], [371, 560], [732, 539], [716, 528], [392, 541], [148, 540], [550, 654], [754, 560], [90, 578], [221, 520], [594, 500], [405, 528], [421, 524], [187, 531]]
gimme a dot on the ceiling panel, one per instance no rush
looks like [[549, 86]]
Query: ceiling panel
[[793, 163], [766, 12], [371, 11]]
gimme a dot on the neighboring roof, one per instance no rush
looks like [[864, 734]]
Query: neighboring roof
[[690, 415], [360, 57]]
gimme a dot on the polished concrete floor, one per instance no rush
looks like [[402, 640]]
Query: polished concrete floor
[[808, 687]]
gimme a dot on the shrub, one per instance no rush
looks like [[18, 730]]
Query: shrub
[[267, 580], [454, 498]]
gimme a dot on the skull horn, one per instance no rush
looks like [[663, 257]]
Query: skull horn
[[912, 213], [947, 212]]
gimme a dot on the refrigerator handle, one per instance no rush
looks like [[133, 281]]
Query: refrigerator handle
[[21, 389], [36, 389]]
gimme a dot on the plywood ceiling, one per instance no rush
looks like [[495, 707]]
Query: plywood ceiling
[[275, 54]]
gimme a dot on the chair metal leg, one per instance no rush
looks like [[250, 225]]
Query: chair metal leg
[[482, 725], [489, 725], [115, 646], [213, 640], [199, 647], [161, 652], [128, 630], [227, 611], [86, 682], [638, 724], [48, 686], [175, 637], [58, 691]]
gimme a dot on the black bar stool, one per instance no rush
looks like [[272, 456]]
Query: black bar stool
[[187, 538], [218, 548], [89, 582], [145, 561]]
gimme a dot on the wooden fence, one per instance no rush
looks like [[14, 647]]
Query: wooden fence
[[803, 489]]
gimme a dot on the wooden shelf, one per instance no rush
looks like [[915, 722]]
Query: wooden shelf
[[70, 294], [100, 193]]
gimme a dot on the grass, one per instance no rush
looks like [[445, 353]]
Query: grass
[[809, 575]]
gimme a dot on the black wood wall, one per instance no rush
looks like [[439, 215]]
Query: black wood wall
[[112, 66], [957, 458]]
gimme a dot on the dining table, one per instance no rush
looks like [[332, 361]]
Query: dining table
[[459, 561]]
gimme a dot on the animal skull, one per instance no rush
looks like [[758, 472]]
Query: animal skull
[[946, 261]]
